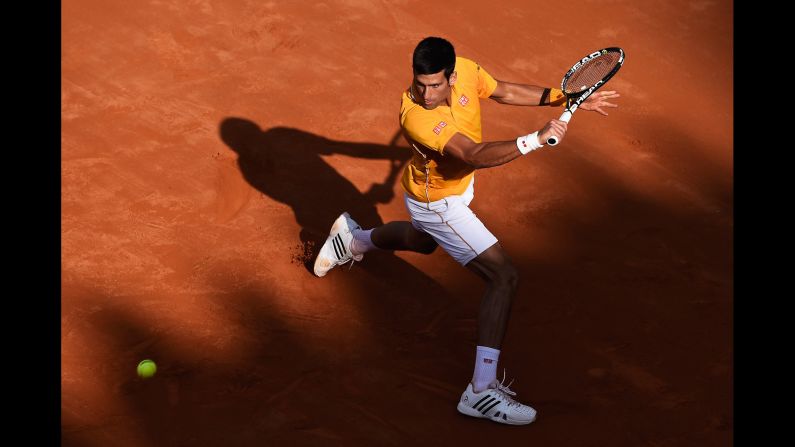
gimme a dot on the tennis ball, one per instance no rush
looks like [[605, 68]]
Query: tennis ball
[[146, 369]]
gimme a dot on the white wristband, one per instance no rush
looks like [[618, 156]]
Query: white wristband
[[528, 143]]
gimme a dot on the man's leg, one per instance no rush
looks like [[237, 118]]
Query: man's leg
[[347, 242], [393, 236], [501, 279], [500, 276], [485, 397]]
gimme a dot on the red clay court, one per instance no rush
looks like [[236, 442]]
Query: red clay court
[[207, 146]]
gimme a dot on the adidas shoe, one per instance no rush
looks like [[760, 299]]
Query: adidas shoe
[[496, 403], [337, 249]]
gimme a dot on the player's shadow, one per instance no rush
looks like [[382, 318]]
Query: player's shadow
[[286, 165]]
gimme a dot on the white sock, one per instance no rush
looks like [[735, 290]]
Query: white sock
[[361, 242], [485, 368]]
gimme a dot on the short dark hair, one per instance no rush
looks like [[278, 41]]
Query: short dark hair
[[432, 55]]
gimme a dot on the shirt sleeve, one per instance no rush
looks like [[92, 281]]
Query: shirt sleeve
[[486, 83], [429, 130]]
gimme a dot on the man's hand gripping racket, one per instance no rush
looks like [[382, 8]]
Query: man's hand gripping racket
[[585, 77]]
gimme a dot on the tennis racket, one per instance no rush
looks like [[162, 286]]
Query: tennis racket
[[587, 76]]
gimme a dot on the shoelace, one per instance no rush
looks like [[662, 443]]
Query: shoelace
[[506, 391]]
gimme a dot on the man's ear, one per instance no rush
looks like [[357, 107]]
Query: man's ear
[[453, 77]]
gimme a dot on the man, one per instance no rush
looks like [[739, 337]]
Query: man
[[440, 119]]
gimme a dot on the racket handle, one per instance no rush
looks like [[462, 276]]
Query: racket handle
[[553, 140]]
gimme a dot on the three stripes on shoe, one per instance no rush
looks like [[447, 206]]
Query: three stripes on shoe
[[487, 403], [339, 247]]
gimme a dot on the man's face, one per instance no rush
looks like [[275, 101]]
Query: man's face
[[432, 90]]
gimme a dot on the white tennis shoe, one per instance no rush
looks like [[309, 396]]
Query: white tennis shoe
[[496, 403], [337, 249]]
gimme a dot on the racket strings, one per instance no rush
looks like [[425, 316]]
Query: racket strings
[[591, 72]]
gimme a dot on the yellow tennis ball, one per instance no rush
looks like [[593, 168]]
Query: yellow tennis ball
[[146, 369]]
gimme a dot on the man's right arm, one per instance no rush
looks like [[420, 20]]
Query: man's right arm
[[496, 153]]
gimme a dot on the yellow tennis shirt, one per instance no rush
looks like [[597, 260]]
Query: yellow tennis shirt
[[431, 175]]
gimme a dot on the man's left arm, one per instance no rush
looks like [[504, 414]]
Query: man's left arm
[[520, 94], [532, 95]]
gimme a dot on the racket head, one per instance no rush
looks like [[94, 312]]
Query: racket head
[[595, 68], [586, 76]]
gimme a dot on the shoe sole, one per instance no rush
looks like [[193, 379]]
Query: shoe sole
[[469, 411]]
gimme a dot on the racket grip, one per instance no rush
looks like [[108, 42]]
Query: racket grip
[[553, 140]]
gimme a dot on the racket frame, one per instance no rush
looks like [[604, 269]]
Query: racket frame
[[579, 97]]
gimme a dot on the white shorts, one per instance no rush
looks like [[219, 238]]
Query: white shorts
[[452, 225]]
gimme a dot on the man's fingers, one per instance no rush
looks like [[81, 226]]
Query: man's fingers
[[606, 95], [558, 128]]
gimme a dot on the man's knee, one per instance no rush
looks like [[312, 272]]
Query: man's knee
[[507, 276], [495, 268], [424, 243]]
